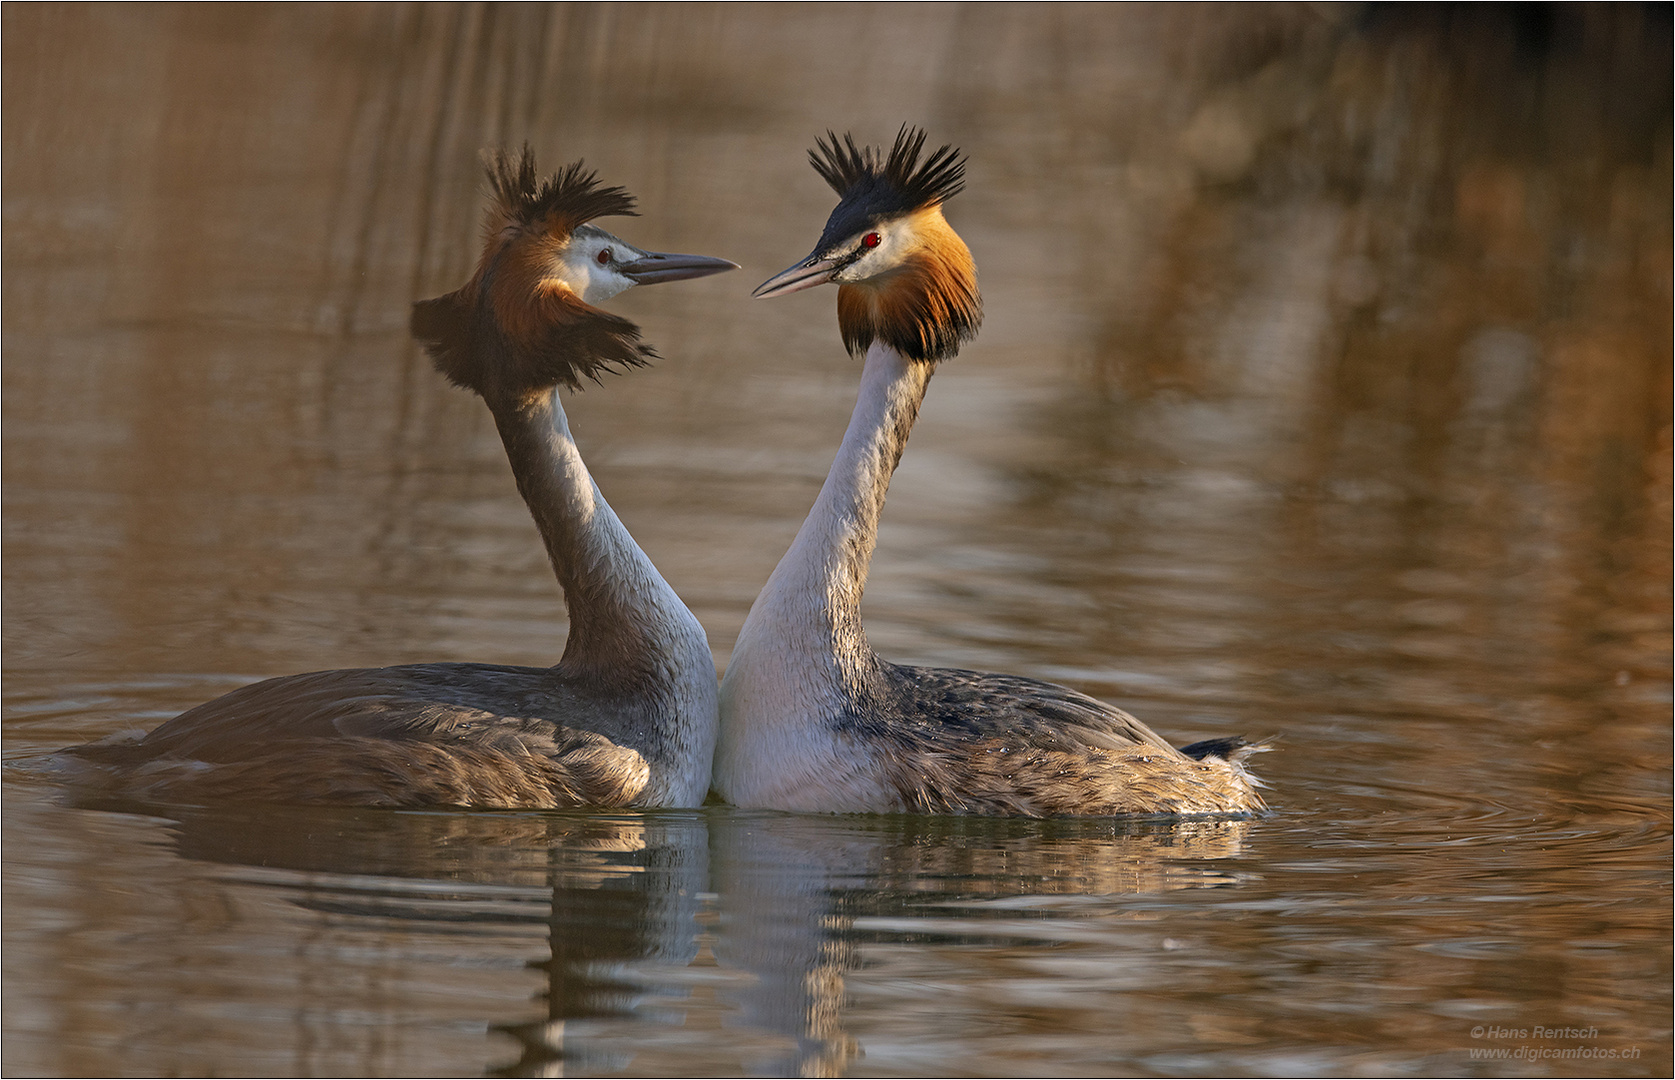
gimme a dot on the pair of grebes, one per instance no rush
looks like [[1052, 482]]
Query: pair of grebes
[[808, 717]]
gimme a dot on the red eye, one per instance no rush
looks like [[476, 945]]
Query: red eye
[[604, 256], [871, 240]]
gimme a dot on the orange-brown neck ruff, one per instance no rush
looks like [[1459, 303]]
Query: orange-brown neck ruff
[[927, 307], [512, 332]]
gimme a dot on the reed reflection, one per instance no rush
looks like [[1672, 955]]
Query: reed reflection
[[802, 897]]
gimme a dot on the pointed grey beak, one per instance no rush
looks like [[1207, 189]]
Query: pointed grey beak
[[807, 274], [654, 267]]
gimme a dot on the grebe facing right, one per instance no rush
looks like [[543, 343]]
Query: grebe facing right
[[811, 718], [628, 715]]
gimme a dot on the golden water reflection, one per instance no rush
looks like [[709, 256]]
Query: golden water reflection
[[1324, 392]]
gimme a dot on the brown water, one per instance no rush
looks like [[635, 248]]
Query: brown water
[[1324, 393]]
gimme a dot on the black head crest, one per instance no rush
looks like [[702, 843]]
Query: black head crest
[[570, 197], [872, 187]]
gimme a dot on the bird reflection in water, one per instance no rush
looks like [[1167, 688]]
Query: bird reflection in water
[[802, 899], [733, 932], [608, 890]]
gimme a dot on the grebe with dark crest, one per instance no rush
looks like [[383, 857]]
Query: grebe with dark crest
[[811, 718], [628, 715]]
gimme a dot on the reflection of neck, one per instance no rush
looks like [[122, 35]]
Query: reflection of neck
[[624, 618], [813, 599]]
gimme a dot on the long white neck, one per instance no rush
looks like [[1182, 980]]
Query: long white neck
[[802, 657], [813, 599], [630, 634]]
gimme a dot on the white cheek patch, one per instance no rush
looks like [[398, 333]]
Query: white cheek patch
[[580, 279], [590, 281], [896, 242], [604, 283]]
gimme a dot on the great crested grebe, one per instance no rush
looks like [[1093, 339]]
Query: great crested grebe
[[811, 718], [628, 716]]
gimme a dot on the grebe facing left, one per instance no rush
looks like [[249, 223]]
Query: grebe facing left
[[628, 715], [811, 718]]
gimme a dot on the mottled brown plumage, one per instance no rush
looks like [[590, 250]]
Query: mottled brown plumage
[[380, 772], [997, 776]]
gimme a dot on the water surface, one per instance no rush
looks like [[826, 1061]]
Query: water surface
[[1323, 394]]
